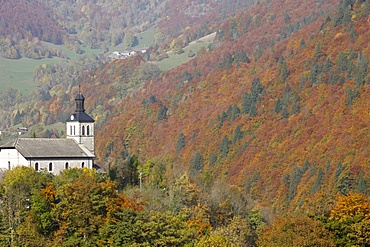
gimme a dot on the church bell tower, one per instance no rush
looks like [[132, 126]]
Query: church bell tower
[[80, 126]]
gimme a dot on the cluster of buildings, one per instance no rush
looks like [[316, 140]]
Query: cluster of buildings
[[126, 54]]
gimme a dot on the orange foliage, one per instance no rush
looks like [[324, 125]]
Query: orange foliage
[[49, 192], [351, 206]]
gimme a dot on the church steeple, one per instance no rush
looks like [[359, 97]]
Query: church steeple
[[80, 126], [80, 103]]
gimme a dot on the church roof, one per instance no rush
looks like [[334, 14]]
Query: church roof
[[48, 148], [80, 117]]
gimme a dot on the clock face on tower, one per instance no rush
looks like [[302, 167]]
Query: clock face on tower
[[72, 117]]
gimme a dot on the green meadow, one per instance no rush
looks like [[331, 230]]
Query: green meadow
[[18, 73]]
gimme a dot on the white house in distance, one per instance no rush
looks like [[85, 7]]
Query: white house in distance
[[55, 154]]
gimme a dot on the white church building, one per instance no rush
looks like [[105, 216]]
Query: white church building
[[55, 154]]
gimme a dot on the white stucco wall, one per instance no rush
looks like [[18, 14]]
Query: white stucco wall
[[12, 157], [74, 131], [58, 165]]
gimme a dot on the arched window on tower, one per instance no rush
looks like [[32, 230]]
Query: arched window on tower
[[50, 167], [83, 165], [83, 130], [88, 130], [66, 166]]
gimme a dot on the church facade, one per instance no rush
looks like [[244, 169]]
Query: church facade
[[55, 154]]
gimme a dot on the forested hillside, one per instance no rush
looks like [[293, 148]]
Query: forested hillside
[[102, 24], [263, 133], [281, 120]]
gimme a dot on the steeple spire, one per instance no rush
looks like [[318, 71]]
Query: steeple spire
[[80, 102]]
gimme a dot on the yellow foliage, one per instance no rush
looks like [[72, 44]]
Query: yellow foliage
[[338, 35], [350, 206]]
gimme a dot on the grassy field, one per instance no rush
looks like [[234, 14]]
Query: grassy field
[[18, 73], [145, 39], [175, 60]]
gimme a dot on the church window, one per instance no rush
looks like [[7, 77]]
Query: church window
[[83, 165], [74, 130], [36, 166], [87, 130], [8, 165], [83, 130], [70, 130], [50, 167], [66, 165]]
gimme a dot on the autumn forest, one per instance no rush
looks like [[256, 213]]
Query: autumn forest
[[260, 139]]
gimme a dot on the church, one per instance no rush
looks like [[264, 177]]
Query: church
[[55, 154]]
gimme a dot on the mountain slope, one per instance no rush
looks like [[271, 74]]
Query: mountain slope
[[277, 106], [314, 139], [30, 19]]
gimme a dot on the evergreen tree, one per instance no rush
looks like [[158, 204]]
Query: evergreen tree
[[302, 83], [343, 184], [256, 90], [349, 96], [342, 80], [253, 111], [338, 171], [227, 62], [180, 142], [328, 65], [152, 99], [17, 118], [222, 118], [361, 70], [246, 103], [238, 134], [287, 91], [162, 113], [278, 106], [257, 53], [286, 16], [333, 77], [242, 57], [212, 158], [343, 14], [342, 62], [196, 163], [295, 178], [317, 53], [314, 74], [283, 72], [352, 32], [224, 148], [327, 165], [350, 69], [295, 104], [317, 183], [233, 112], [361, 186], [285, 113]]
